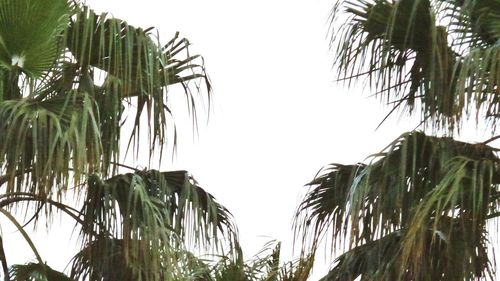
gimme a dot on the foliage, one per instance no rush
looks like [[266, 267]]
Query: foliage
[[419, 209], [67, 75], [69, 80], [264, 266]]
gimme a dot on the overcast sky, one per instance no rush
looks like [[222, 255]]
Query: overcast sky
[[277, 116]]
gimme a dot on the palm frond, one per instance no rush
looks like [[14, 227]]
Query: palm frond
[[325, 206], [161, 202], [36, 272], [375, 260], [447, 256], [296, 270], [133, 64], [416, 53], [96, 259], [419, 186], [61, 141], [133, 260], [30, 34], [263, 266]]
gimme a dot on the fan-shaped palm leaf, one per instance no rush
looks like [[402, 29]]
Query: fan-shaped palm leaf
[[30, 33]]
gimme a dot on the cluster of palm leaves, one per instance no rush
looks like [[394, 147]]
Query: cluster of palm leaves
[[422, 208], [69, 79], [67, 75], [264, 266]]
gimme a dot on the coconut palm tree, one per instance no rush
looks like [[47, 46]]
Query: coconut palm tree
[[420, 208], [69, 78]]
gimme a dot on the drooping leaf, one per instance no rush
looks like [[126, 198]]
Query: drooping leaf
[[58, 134], [36, 272], [418, 189], [160, 202], [135, 68], [416, 56]]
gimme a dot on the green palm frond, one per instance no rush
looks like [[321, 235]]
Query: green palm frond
[[233, 266], [128, 53], [96, 259], [36, 272], [418, 187], [380, 197], [402, 52], [478, 79], [133, 64], [60, 141], [296, 270], [456, 210], [30, 34], [264, 266], [109, 259], [66, 74], [375, 260], [447, 256], [325, 206], [67, 107], [231, 271], [164, 203], [483, 20], [421, 53]]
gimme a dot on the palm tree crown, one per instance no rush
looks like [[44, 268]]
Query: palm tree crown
[[419, 209], [67, 75]]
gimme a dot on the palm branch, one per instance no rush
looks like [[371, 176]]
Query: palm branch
[[66, 77], [36, 272], [417, 210], [70, 111], [422, 54]]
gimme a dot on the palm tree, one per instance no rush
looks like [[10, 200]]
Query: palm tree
[[67, 79], [420, 208], [264, 266]]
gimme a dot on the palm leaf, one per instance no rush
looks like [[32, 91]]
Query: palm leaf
[[59, 134], [96, 259], [419, 187], [36, 272], [403, 53], [376, 260], [30, 33], [403, 49], [161, 202], [99, 256], [132, 64], [450, 256]]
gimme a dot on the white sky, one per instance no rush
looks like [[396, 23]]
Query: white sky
[[278, 117]]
